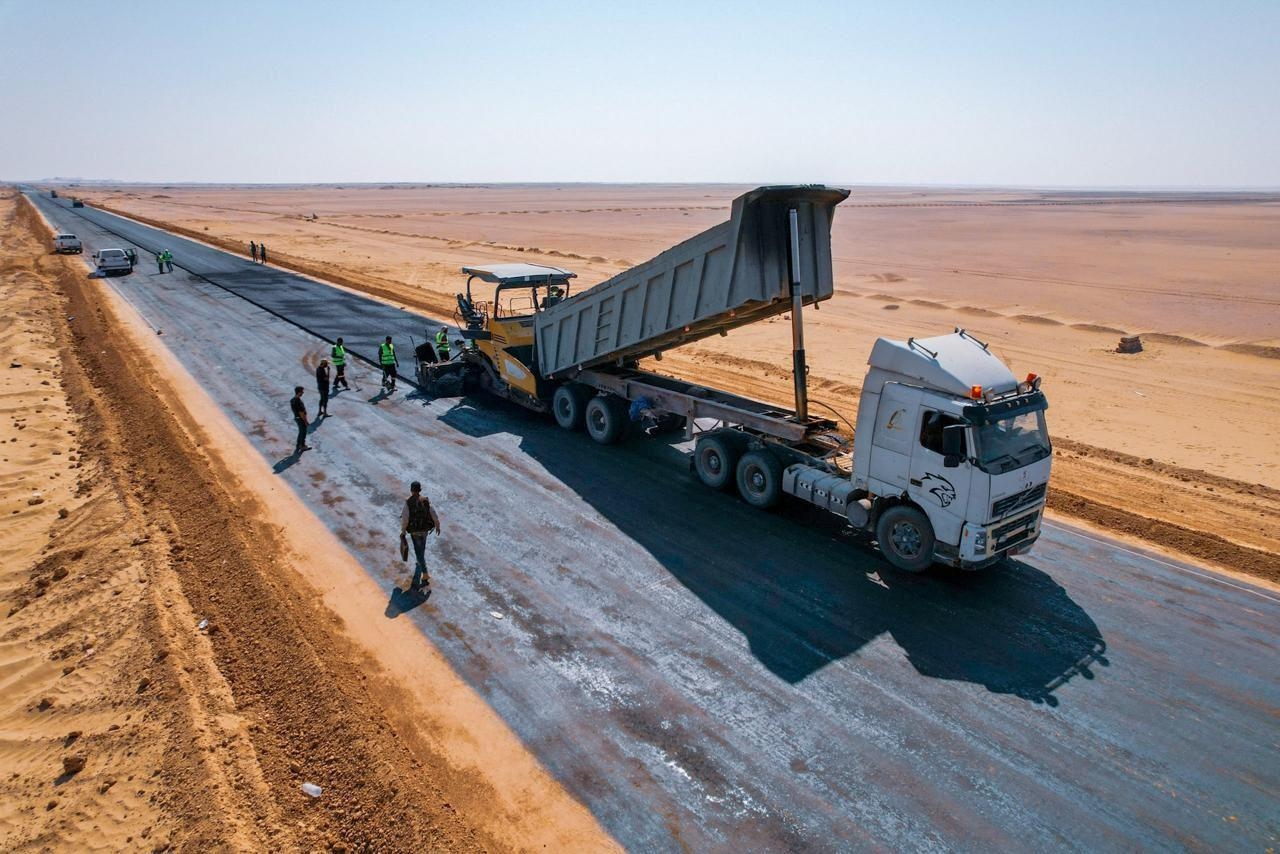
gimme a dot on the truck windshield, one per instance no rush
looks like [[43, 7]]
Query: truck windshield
[[1013, 442]]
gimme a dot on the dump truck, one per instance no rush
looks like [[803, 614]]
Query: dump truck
[[950, 455]]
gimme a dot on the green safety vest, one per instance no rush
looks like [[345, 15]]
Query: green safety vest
[[339, 355], [387, 354], [442, 341]]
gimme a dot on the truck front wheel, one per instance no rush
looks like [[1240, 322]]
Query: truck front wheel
[[906, 538], [760, 479], [569, 405], [606, 419]]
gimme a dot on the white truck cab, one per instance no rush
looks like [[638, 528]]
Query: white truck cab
[[951, 453], [113, 261], [67, 243]]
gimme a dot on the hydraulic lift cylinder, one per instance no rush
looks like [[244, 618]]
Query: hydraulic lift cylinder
[[797, 321]]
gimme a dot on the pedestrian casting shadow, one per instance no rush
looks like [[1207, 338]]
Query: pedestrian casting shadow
[[803, 589], [283, 465], [402, 601]]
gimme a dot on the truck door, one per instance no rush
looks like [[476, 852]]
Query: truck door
[[894, 439], [942, 492]]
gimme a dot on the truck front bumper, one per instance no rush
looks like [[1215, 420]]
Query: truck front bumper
[[984, 544]]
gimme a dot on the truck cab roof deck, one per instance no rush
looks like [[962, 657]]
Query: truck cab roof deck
[[952, 364]]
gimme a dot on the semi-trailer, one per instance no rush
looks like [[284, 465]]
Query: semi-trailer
[[950, 456]]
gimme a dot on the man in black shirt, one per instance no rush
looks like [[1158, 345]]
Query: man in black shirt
[[300, 418], [322, 383], [417, 519]]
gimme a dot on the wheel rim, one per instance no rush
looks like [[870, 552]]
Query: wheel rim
[[597, 420], [562, 409], [755, 480], [906, 539], [714, 464]]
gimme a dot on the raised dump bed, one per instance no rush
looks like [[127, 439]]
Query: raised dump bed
[[729, 275]]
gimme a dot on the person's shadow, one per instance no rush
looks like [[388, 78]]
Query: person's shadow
[[403, 601], [283, 465], [315, 424]]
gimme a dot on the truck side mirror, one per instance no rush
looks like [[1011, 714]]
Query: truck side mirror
[[952, 445]]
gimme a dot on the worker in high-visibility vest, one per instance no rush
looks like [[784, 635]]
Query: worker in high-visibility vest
[[442, 343], [339, 365], [387, 358]]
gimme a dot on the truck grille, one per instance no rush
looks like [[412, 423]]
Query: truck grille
[[1013, 533], [1010, 503]]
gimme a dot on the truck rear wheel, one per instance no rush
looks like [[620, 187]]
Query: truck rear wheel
[[606, 419], [906, 538], [715, 459], [569, 405], [760, 479]]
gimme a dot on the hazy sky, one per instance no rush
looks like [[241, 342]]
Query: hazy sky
[[965, 92]]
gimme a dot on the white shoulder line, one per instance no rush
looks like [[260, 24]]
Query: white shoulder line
[[1148, 556]]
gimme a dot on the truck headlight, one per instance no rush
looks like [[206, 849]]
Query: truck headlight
[[980, 541]]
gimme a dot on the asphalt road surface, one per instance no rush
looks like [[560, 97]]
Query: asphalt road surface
[[707, 676]]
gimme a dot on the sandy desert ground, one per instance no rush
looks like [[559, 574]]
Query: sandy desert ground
[[1170, 445], [146, 702]]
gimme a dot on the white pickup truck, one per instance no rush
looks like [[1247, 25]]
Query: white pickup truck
[[113, 261], [67, 243]]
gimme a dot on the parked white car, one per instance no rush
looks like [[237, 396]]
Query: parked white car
[[67, 243], [113, 261]]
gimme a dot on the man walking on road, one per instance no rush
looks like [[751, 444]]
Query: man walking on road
[[387, 358], [442, 343], [322, 383], [340, 366], [160, 261], [253, 250], [417, 519], [167, 257], [262, 252], [300, 418]]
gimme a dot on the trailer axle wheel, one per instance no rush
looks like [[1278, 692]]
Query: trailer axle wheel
[[569, 405], [760, 479], [606, 419], [715, 459]]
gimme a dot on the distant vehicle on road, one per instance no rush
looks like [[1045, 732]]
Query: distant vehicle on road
[[76, 203], [110, 261], [53, 194], [68, 244]]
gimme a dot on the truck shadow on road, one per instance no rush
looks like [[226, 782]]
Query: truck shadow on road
[[806, 591]]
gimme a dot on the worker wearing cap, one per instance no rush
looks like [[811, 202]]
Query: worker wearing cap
[[339, 354], [442, 343]]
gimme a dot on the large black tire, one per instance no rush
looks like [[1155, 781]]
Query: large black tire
[[906, 538], [606, 419], [715, 459], [569, 405], [760, 479]]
